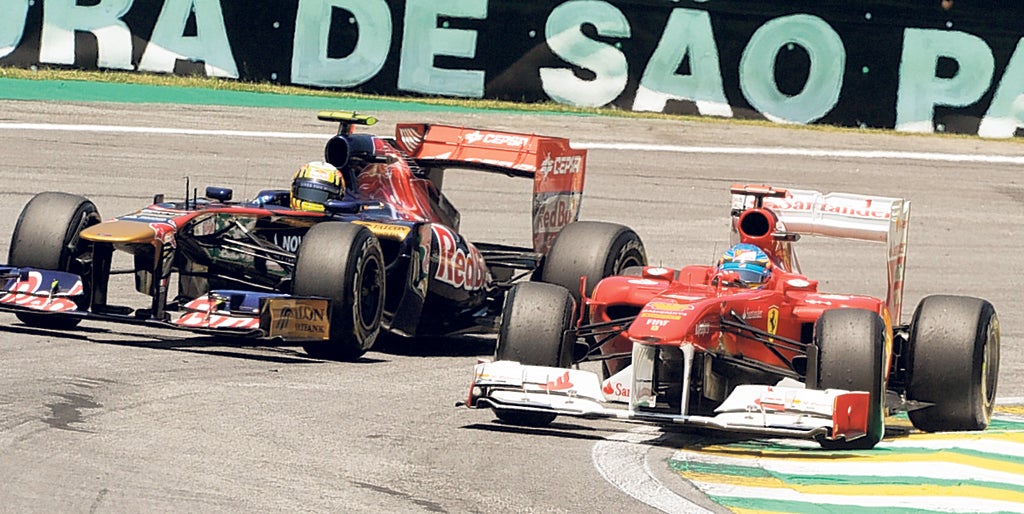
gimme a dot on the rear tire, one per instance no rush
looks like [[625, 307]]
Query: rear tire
[[851, 356], [344, 263], [46, 237], [593, 249], [533, 329], [954, 363]]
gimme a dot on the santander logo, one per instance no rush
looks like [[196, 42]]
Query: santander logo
[[616, 389], [865, 211]]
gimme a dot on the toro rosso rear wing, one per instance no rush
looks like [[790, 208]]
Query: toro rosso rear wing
[[557, 169], [846, 215], [755, 410]]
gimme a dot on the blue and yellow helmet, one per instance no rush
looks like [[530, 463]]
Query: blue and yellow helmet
[[314, 184], [749, 262]]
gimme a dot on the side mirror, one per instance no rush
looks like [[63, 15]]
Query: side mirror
[[222, 194]]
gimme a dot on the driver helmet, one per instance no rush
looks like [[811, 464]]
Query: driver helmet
[[749, 262], [314, 184]]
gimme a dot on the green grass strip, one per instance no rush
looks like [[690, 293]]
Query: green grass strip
[[735, 474], [767, 505]]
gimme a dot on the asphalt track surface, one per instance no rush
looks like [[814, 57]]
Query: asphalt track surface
[[111, 418]]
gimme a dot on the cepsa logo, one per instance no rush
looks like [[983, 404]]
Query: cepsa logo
[[496, 139], [561, 165], [456, 266]]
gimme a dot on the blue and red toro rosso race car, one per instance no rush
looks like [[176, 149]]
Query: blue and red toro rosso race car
[[749, 345], [387, 254]]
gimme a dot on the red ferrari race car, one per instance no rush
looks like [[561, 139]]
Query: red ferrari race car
[[750, 345], [363, 241]]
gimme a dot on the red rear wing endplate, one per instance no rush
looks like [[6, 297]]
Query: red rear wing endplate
[[558, 170]]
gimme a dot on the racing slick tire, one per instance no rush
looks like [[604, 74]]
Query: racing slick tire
[[46, 237], [344, 263], [851, 356], [533, 329], [953, 362], [594, 249]]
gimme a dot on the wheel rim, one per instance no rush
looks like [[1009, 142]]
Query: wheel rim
[[633, 261], [77, 249], [369, 294], [630, 254], [989, 366]]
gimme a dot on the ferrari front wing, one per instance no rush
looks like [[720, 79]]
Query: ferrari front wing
[[788, 411]]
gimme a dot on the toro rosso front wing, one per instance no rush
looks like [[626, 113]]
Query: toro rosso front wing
[[784, 410], [242, 313]]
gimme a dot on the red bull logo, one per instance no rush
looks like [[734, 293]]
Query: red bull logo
[[554, 214], [456, 266]]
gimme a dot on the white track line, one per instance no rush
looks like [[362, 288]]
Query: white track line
[[754, 150], [811, 152], [120, 129], [622, 461]]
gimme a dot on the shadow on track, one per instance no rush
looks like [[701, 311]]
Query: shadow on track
[[387, 344], [672, 438], [449, 346], [221, 346]]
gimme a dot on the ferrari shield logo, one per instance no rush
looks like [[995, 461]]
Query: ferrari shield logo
[[773, 320]]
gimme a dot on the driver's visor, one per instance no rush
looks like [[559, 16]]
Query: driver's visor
[[315, 192], [750, 276], [748, 272]]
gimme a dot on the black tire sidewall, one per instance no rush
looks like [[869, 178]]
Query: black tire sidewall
[[332, 262], [46, 237], [593, 249], [533, 324], [532, 332], [948, 337], [851, 356], [46, 229]]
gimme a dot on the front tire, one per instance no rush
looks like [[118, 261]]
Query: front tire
[[46, 237], [344, 263], [593, 249], [851, 356], [534, 325], [954, 363]]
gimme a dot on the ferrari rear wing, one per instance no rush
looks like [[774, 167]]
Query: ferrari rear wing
[[557, 169], [845, 215]]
